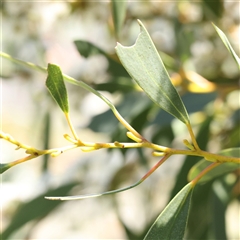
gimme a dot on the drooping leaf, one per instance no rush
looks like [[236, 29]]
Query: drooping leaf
[[171, 223], [227, 44], [118, 13], [56, 86], [145, 66], [218, 171], [68, 79]]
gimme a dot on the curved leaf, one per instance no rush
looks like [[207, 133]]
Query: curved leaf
[[227, 44], [145, 66], [171, 223], [218, 171], [56, 86]]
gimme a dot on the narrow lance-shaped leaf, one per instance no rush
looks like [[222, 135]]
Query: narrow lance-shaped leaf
[[77, 83], [227, 44], [218, 171], [171, 223], [56, 86], [145, 66]]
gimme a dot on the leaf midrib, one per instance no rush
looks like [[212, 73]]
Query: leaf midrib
[[158, 85]]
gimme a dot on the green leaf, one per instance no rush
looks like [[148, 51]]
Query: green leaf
[[145, 66], [218, 171], [66, 77], [118, 12], [4, 167], [171, 223], [56, 87], [227, 44]]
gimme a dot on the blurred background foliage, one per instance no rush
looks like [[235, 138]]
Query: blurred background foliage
[[80, 37]]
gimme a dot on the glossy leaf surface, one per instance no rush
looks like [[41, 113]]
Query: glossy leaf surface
[[218, 171], [56, 86], [145, 66], [171, 223]]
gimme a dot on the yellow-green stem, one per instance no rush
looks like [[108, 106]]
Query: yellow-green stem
[[127, 125], [22, 160], [72, 129], [195, 144]]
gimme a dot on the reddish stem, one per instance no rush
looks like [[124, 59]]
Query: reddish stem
[[155, 167]]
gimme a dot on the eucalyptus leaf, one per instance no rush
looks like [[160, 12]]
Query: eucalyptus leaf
[[56, 86], [4, 167], [227, 44], [218, 171], [171, 223], [145, 66]]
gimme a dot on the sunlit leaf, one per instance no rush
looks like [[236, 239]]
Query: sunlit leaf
[[218, 171], [56, 86], [227, 44], [145, 66], [171, 223], [118, 12]]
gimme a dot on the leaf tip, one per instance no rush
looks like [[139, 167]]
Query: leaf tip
[[4, 167], [139, 22]]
